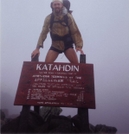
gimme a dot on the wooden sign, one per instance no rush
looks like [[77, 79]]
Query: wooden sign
[[56, 84]]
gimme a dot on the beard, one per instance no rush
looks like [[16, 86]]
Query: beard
[[57, 10]]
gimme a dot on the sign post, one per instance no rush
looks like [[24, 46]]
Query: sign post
[[56, 84], [24, 115], [83, 112], [36, 108]]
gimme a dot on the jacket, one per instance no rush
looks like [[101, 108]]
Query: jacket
[[61, 31]]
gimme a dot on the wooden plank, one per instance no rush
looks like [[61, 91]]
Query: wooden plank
[[56, 84], [83, 112], [23, 121], [36, 58]]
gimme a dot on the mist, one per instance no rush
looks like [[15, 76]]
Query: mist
[[104, 25]]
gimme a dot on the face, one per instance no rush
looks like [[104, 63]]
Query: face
[[57, 6]]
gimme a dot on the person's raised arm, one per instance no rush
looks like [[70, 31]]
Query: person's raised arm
[[76, 35], [42, 37]]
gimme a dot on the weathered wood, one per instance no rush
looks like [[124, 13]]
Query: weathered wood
[[24, 115], [36, 108], [36, 58], [83, 112], [23, 123], [26, 84], [82, 58], [56, 84]]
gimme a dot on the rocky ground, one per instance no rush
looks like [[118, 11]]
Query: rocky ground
[[49, 121]]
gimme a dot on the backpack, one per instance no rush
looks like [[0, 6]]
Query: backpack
[[66, 4]]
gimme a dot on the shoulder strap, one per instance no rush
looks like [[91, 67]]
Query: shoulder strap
[[66, 19], [51, 20]]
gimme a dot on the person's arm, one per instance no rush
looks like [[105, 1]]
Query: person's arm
[[42, 37], [76, 35]]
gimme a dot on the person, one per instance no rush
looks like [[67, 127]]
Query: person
[[64, 32]]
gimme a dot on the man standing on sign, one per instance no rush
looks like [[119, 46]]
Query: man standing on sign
[[64, 32]]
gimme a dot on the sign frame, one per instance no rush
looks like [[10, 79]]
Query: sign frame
[[32, 71]]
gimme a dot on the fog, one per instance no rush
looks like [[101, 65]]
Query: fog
[[104, 25]]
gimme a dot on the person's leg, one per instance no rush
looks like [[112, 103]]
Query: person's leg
[[71, 55], [51, 56]]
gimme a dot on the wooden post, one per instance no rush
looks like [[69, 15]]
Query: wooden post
[[36, 58], [83, 112], [23, 123], [24, 115]]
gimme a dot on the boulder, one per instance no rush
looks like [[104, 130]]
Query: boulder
[[105, 129], [51, 122], [32, 123], [2, 118], [45, 112]]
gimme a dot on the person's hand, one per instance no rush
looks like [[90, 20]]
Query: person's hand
[[79, 49], [35, 52]]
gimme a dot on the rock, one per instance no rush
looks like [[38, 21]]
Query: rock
[[60, 124], [56, 124], [91, 128], [77, 122], [2, 118], [11, 126], [34, 123], [105, 129], [45, 112]]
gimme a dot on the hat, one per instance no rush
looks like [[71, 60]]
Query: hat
[[57, 1]]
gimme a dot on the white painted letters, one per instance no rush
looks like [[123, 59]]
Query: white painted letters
[[53, 67]]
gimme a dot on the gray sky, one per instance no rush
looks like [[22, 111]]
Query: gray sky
[[104, 25]]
